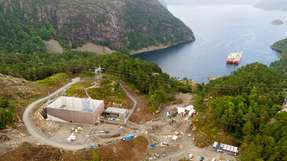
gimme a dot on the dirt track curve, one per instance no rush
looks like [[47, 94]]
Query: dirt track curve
[[36, 133]]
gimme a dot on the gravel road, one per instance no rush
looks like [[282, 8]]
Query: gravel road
[[35, 132]]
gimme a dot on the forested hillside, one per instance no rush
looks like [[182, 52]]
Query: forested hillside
[[146, 77], [280, 46], [281, 65], [246, 105], [126, 25]]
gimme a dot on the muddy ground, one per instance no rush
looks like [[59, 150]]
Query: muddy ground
[[141, 114], [120, 151]]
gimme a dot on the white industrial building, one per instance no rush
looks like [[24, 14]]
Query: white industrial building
[[76, 110]]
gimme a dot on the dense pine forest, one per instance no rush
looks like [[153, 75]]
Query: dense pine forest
[[247, 106]]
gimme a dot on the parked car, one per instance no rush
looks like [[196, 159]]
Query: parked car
[[201, 159], [190, 156], [213, 159]]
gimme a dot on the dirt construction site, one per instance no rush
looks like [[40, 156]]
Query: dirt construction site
[[168, 133], [169, 137]]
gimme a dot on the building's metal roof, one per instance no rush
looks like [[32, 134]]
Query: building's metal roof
[[76, 104], [116, 110]]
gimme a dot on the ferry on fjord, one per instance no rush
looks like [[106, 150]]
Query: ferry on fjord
[[234, 58]]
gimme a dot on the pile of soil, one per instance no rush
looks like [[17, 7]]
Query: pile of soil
[[28, 152], [121, 151], [125, 151]]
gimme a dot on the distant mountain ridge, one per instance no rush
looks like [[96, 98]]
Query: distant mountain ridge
[[125, 25]]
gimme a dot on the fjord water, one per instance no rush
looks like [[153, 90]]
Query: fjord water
[[219, 30]]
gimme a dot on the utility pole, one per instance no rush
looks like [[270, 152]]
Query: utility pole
[[98, 72]]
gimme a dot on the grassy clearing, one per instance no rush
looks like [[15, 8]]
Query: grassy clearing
[[54, 79], [78, 90], [107, 89], [111, 92]]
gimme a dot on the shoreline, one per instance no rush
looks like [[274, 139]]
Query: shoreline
[[277, 50], [159, 48]]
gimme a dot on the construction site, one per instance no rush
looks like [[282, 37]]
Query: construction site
[[75, 122]]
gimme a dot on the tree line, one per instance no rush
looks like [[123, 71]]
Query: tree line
[[247, 105], [144, 76]]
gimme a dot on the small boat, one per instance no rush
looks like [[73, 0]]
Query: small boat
[[234, 58]]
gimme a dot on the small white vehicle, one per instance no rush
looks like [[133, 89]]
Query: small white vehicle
[[71, 138], [213, 159], [190, 156]]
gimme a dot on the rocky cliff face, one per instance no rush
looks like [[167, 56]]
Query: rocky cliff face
[[128, 25]]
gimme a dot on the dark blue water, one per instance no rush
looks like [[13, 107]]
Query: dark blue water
[[219, 30]]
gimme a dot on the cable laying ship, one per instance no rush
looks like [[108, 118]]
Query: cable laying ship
[[234, 58]]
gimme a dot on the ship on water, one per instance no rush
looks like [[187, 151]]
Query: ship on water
[[234, 58]]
